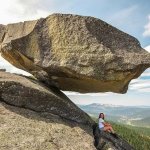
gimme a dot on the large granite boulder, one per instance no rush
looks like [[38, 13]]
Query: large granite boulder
[[74, 53], [30, 94]]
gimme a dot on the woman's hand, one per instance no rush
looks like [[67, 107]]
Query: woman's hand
[[107, 124]]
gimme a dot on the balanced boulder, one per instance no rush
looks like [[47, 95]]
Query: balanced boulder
[[74, 53]]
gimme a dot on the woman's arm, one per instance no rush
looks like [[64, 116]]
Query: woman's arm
[[106, 124]]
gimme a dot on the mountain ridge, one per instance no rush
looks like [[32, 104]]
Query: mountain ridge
[[130, 115], [113, 105]]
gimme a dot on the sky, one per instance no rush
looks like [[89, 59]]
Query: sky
[[130, 16]]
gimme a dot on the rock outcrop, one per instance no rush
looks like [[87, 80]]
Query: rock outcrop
[[30, 94], [33, 117], [106, 141], [23, 129], [74, 53]]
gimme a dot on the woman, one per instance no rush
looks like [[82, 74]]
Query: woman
[[103, 125]]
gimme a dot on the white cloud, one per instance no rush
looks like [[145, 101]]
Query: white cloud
[[147, 28], [144, 90], [20, 10], [140, 85], [15, 11], [86, 94], [146, 73], [147, 48]]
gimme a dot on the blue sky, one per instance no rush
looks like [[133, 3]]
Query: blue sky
[[131, 16]]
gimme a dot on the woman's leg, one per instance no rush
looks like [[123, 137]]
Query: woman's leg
[[109, 129]]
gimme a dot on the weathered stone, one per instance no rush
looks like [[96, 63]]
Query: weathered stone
[[106, 141], [75, 53], [23, 129], [28, 93], [43, 118], [2, 32]]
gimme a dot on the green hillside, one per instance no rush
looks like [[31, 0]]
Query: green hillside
[[145, 122], [141, 130], [133, 136], [138, 137]]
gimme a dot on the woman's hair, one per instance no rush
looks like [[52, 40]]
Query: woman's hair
[[101, 114]]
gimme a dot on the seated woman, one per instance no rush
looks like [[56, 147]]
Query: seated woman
[[104, 125]]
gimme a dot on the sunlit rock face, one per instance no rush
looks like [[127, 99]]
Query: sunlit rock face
[[74, 53], [28, 93], [40, 118]]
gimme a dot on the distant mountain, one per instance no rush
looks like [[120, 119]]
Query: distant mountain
[[131, 115]]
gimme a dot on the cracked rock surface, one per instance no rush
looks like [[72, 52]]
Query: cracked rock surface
[[34, 117], [23, 129], [74, 53], [30, 94]]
